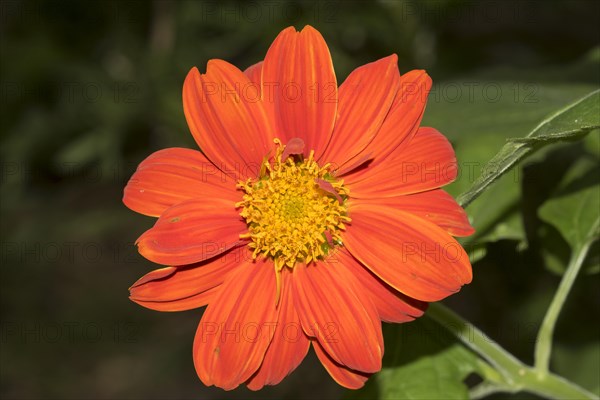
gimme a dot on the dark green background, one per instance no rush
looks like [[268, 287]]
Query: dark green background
[[88, 89]]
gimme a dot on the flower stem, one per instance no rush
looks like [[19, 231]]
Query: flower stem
[[476, 340], [514, 376], [543, 346]]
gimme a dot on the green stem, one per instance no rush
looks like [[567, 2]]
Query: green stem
[[503, 361], [552, 386], [493, 382], [485, 389], [514, 375], [543, 346]]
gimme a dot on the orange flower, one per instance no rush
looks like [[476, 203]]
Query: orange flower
[[312, 214]]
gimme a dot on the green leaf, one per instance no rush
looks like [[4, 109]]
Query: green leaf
[[423, 360], [591, 265], [554, 249], [570, 123], [556, 252], [592, 144], [479, 113], [574, 210]]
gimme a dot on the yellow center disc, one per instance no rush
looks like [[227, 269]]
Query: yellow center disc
[[294, 210]]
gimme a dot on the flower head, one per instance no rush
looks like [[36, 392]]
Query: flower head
[[312, 214]]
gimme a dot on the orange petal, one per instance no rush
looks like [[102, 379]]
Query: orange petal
[[435, 206], [156, 275], [365, 98], [410, 254], [237, 327], [187, 303], [192, 231], [391, 305], [427, 162], [402, 121], [299, 87], [254, 73], [341, 318], [289, 345], [342, 375], [173, 175], [173, 288], [226, 118]]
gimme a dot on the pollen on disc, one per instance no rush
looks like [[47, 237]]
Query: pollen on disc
[[291, 218]]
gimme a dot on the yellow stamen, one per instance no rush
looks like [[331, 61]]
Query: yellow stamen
[[288, 213]]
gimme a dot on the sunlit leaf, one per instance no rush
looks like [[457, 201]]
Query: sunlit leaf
[[479, 114], [570, 123]]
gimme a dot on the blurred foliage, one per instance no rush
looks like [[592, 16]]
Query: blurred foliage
[[88, 89]]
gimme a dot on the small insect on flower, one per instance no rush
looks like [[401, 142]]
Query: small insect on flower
[[311, 214]]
